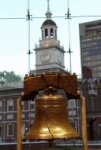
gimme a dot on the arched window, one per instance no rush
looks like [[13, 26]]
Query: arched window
[[51, 32], [46, 33], [55, 34], [42, 34]]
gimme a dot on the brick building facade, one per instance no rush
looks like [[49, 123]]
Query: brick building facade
[[8, 113]]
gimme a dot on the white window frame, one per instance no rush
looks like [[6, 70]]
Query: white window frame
[[31, 103], [1, 105], [8, 129], [10, 116], [10, 105], [72, 103], [23, 105]]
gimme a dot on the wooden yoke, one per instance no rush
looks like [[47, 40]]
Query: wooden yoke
[[66, 81]]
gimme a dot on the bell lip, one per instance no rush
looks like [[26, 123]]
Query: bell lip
[[50, 139]]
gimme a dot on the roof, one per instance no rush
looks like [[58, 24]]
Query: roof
[[48, 22]]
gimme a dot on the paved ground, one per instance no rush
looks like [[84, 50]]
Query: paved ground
[[94, 149]]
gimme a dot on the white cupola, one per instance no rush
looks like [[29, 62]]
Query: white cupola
[[49, 53], [49, 27]]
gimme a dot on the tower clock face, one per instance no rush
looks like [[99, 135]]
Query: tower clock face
[[59, 58], [45, 56]]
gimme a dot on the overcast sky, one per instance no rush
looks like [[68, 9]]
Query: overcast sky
[[14, 33]]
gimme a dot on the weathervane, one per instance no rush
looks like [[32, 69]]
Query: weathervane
[[48, 13]]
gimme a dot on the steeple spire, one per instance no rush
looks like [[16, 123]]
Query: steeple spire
[[48, 13]]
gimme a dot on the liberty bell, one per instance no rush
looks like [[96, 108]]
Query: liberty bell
[[51, 118]]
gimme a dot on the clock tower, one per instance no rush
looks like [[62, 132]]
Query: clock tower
[[49, 53]]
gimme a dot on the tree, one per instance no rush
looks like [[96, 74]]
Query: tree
[[8, 77]]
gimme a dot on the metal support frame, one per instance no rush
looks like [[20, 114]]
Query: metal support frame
[[19, 124], [84, 124]]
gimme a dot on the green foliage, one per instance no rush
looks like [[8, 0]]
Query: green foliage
[[8, 77]]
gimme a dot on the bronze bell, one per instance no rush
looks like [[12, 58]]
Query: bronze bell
[[51, 119]]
